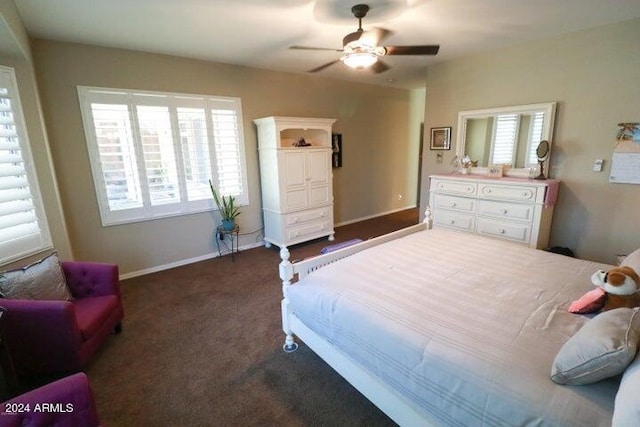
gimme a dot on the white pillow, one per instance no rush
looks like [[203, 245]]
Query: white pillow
[[602, 348], [626, 410], [632, 260], [42, 280]]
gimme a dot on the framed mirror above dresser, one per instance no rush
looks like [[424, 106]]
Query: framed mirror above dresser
[[506, 136]]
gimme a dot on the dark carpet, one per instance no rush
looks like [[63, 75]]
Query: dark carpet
[[202, 346]]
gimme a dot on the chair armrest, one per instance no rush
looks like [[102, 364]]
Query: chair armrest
[[38, 333], [77, 405], [87, 279]]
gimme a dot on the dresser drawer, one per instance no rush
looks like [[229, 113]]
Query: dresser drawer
[[451, 219], [454, 187], [505, 230], [306, 216], [515, 193], [456, 203], [521, 212], [308, 230]]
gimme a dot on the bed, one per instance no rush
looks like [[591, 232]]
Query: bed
[[439, 327]]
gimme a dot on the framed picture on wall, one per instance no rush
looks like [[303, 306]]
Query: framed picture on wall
[[441, 138], [336, 150]]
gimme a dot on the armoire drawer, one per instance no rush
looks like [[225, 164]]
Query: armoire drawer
[[455, 203], [451, 219], [306, 216], [513, 193], [520, 212], [518, 232], [310, 229], [454, 187]]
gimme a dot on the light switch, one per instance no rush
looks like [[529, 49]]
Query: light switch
[[597, 165]]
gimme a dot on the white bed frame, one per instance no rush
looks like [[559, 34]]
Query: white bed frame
[[398, 408]]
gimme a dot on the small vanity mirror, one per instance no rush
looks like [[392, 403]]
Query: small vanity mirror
[[506, 136], [542, 152]]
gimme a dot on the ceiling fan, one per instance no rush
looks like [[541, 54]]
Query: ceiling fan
[[360, 49]]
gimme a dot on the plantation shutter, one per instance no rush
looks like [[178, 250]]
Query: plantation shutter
[[536, 137], [153, 153], [23, 228], [226, 137], [506, 132]]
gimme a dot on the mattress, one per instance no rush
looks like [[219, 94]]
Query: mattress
[[465, 327]]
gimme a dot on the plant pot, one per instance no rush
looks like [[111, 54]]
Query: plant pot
[[228, 224]]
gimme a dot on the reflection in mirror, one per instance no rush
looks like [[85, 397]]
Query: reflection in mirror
[[507, 135]]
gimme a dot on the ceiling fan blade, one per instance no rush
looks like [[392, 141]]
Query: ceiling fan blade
[[412, 50], [374, 36], [322, 67], [379, 67], [314, 48]]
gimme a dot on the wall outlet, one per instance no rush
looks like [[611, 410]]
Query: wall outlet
[[597, 165]]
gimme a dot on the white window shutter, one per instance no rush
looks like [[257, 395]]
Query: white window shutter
[[506, 132], [537, 122], [153, 154], [23, 226]]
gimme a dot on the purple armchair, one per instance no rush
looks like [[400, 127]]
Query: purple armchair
[[59, 337], [69, 403]]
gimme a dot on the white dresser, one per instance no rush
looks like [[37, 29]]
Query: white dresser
[[296, 182], [515, 209]]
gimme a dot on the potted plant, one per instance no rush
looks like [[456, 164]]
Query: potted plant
[[227, 208]]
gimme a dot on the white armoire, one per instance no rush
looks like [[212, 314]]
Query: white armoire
[[296, 179]]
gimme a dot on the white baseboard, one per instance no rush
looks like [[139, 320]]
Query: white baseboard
[[182, 262], [351, 221], [242, 248]]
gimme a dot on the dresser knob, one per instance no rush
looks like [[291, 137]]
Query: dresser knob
[[296, 219], [488, 190], [452, 221], [502, 231], [524, 193], [322, 214], [452, 204], [504, 211]]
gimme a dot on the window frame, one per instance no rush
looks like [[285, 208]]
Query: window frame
[[24, 246], [134, 99]]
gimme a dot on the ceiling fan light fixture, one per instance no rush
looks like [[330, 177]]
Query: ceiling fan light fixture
[[359, 60]]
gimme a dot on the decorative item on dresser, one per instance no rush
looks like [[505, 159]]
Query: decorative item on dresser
[[296, 181], [515, 209]]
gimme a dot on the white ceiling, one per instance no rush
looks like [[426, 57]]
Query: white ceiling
[[257, 33]]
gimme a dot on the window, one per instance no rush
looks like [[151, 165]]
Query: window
[[505, 137], [152, 154], [23, 226]]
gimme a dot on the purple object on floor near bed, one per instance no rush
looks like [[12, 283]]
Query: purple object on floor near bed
[[59, 336], [340, 245]]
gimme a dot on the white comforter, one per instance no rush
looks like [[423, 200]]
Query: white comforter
[[466, 327]]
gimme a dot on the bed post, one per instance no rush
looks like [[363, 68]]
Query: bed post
[[428, 218], [286, 274]]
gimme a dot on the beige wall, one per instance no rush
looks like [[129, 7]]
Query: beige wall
[[593, 75], [374, 122]]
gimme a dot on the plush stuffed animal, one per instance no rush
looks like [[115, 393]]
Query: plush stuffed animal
[[618, 287], [621, 286]]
